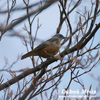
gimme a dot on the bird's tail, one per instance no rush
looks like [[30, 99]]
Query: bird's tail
[[32, 53]]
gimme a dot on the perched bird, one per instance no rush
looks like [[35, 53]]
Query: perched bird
[[46, 49]]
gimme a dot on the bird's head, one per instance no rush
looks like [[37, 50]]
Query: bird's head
[[59, 36]]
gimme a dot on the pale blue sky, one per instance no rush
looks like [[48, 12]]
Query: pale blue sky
[[11, 47]]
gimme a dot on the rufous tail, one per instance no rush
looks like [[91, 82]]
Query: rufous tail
[[32, 53]]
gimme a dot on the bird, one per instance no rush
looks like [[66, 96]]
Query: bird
[[46, 49]]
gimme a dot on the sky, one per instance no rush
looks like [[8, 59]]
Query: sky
[[11, 47]]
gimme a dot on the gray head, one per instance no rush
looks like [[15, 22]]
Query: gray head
[[59, 36]]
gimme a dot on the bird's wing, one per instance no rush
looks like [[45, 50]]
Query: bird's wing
[[45, 44]]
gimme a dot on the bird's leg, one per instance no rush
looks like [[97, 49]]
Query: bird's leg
[[59, 51], [59, 57]]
